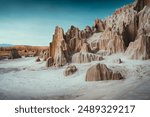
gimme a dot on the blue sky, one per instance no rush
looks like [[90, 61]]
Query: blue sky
[[32, 22]]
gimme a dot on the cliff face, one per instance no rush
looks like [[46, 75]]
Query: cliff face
[[126, 31]]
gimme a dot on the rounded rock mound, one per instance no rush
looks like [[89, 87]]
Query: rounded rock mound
[[101, 72]]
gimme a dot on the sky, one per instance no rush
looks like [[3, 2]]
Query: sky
[[32, 22]]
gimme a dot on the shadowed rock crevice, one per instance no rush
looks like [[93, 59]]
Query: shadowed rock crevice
[[139, 4]]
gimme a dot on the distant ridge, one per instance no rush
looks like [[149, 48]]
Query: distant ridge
[[11, 45], [5, 45]]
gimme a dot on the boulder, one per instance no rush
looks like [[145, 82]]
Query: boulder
[[118, 61], [85, 57], [101, 72], [71, 69], [14, 54]]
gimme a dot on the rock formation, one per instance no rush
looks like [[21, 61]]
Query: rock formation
[[124, 23], [84, 57], [85, 48], [127, 25], [127, 31], [119, 61], [73, 38], [44, 54], [101, 72], [58, 48], [49, 62], [38, 59], [41, 54], [99, 25], [76, 38], [93, 42], [88, 32], [111, 42], [140, 48], [63, 46], [139, 4], [71, 69], [14, 54]]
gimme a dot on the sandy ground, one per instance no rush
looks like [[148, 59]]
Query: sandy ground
[[26, 79]]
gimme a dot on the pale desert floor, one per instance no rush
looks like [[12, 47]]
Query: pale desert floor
[[26, 79]]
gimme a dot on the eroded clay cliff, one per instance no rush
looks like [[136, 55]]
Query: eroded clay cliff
[[127, 31]]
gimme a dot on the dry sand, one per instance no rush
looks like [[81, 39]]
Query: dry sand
[[26, 79]]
